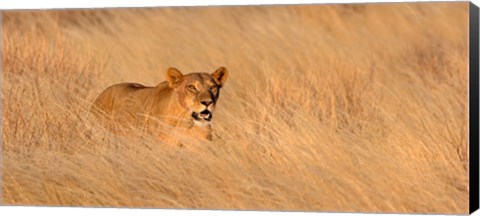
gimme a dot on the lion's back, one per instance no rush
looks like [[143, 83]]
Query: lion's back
[[115, 96]]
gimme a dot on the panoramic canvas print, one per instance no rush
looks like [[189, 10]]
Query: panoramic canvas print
[[327, 107]]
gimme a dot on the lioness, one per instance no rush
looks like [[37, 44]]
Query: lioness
[[186, 101]]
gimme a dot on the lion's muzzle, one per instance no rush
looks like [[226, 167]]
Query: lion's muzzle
[[205, 115]]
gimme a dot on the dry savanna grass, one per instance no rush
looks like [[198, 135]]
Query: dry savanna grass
[[327, 108]]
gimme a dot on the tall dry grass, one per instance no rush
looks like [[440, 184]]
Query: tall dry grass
[[327, 108]]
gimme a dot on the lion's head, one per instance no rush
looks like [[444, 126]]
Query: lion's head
[[198, 92]]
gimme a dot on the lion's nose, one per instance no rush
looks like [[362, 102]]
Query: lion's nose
[[206, 102]]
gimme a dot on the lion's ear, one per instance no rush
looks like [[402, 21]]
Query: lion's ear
[[174, 76], [221, 75]]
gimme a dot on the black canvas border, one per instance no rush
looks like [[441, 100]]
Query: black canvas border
[[473, 107]]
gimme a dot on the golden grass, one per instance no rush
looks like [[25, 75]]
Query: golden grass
[[327, 108]]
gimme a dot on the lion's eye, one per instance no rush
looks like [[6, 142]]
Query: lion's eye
[[191, 88]]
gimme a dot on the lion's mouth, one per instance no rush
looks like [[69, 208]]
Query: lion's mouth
[[205, 115]]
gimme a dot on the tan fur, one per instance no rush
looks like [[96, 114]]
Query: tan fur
[[178, 102]]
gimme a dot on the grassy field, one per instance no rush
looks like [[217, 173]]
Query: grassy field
[[327, 108]]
